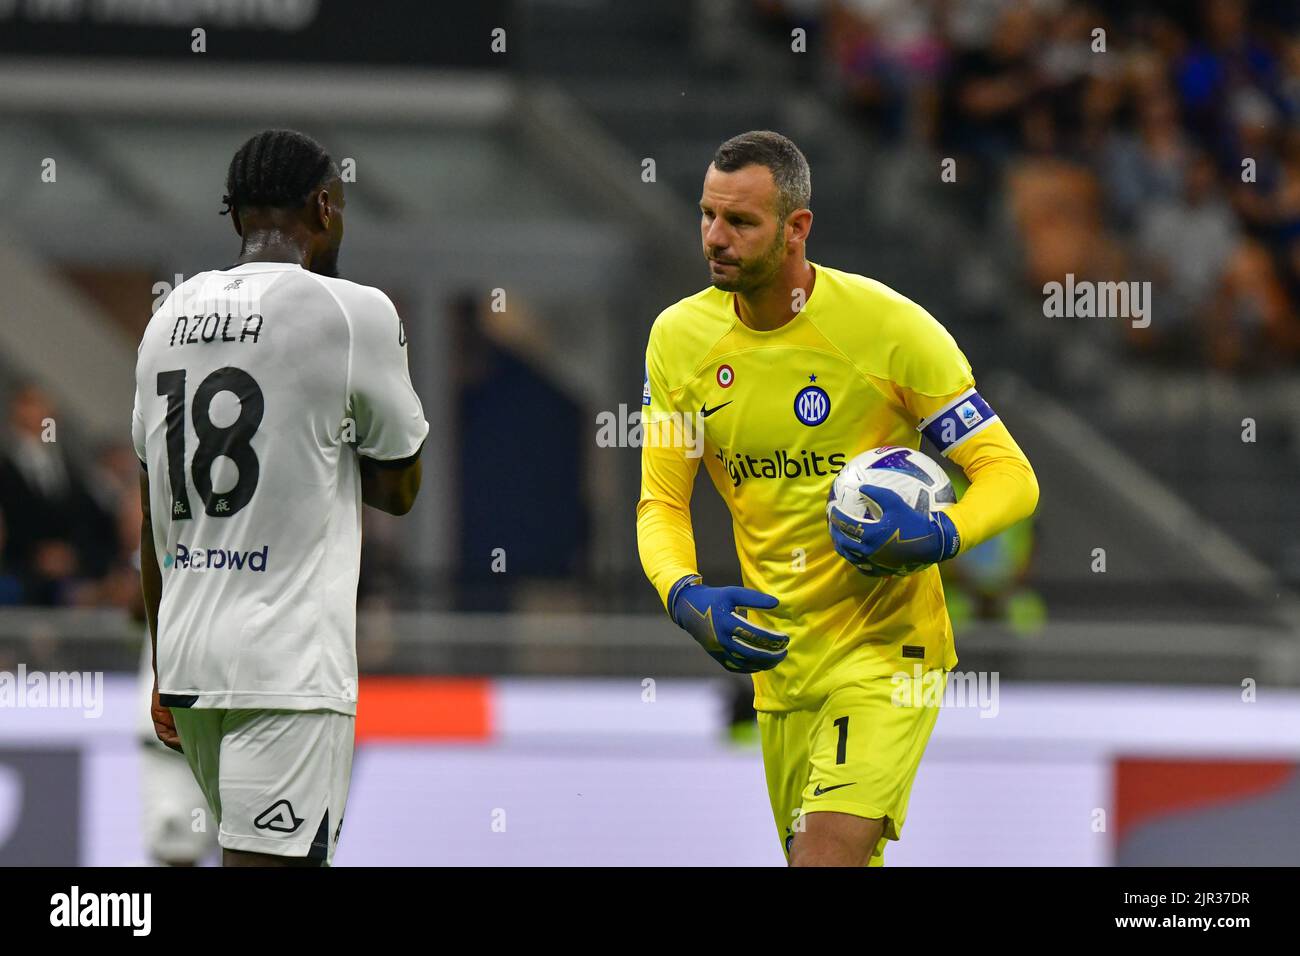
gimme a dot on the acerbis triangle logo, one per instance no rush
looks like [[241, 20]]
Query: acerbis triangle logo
[[278, 817]]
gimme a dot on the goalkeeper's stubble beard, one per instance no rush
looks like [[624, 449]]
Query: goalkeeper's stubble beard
[[754, 274]]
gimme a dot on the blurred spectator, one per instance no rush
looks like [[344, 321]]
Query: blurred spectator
[[888, 54], [113, 487], [1147, 165], [1187, 244], [527, 516], [1270, 206], [1251, 324], [66, 536], [116, 582], [42, 500], [990, 88], [1223, 69], [1056, 206], [1289, 84]]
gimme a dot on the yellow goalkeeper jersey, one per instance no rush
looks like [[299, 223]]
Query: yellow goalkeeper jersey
[[774, 416]]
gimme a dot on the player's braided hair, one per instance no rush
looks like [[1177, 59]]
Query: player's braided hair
[[277, 168]]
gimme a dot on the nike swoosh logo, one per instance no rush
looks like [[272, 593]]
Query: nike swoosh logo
[[820, 790], [706, 411]]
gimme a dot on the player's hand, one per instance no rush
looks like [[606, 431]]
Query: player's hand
[[900, 541], [164, 724], [715, 617]]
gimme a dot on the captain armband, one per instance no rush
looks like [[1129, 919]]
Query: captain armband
[[962, 417]]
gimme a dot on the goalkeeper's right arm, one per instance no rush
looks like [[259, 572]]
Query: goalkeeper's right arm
[[664, 536], [715, 617]]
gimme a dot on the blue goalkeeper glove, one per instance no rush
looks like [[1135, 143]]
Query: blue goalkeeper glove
[[715, 617], [900, 541]]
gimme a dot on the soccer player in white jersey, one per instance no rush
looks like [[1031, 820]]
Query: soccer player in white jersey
[[272, 399]]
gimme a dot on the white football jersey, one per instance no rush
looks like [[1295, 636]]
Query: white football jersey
[[256, 389]]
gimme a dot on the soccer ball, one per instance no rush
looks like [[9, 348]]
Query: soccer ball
[[914, 477]]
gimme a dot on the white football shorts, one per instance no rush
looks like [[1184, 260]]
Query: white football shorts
[[275, 780]]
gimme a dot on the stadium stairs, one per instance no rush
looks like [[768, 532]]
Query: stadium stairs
[[55, 337]]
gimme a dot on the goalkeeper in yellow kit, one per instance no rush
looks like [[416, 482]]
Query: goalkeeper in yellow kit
[[791, 369]]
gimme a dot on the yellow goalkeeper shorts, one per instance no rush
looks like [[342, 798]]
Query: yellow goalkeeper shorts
[[858, 753]]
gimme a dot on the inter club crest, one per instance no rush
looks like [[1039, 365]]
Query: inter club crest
[[812, 405]]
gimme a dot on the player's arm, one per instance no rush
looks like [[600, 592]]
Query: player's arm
[[933, 384], [1003, 490], [151, 584], [1003, 487], [715, 617], [391, 486], [390, 425], [150, 574], [664, 536], [164, 725]]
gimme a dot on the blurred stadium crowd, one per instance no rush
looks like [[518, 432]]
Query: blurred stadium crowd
[[1122, 165], [1171, 157]]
